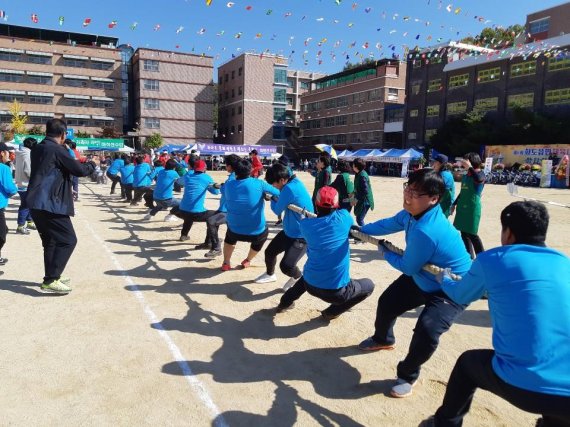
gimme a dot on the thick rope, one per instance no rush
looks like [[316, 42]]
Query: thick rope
[[430, 268]]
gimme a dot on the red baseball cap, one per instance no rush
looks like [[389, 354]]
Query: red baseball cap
[[199, 166], [327, 197]]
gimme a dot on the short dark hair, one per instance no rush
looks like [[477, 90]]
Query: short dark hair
[[193, 159], [242, 169], [170, 164], [343, 166], [55, 128], [276, 173], [30, 142], [359, 164], [231, 159], [474, 158], [325, 160], [140, 159], [127, 161], [157, 163], [427, 181], [527, 220], [253, 152]]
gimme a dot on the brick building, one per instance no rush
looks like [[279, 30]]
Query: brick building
[[453, 79], [357, 108], [73, 76], [173, 95]]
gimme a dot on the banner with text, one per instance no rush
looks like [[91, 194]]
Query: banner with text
[[82, 143], [262, 150], [532, 154]]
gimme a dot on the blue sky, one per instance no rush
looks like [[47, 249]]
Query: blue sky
[[317, 35]]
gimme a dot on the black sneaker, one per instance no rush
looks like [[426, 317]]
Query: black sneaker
[[184, 238], [202, 246], [213, 253]]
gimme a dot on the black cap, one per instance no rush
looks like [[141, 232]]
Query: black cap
[[441, 158], [5, 147]]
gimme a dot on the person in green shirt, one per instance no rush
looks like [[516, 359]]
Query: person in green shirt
[[363, 198], [344, 185], [323, 174]]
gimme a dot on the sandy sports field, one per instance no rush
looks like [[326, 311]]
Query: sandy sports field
[[155, 334]]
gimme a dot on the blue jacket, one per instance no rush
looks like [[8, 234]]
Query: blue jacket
[[127, 174], [141, 176], [294, 192], [529, 301], [429, 239], [116, 166], [195, 187], [223, 207], [328, 252], [165, 184], [245, 201], [51, 186], [7, 186]]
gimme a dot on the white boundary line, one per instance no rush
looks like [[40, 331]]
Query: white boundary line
[[196, 385]]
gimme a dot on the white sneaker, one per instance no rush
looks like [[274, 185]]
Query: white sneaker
[[402, 388], [147, 217], [266, 278], [289, 283], [170, 218]]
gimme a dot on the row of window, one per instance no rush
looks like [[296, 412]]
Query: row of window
[[233, 74], [48, 100], [48, 80], [47, 60], [344, 120], [521, 100], [356, 98], [41, 120], [231, 130], [227, 112], [233, 94], [353, 138]]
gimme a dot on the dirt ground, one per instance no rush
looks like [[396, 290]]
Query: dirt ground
[[155, 334]]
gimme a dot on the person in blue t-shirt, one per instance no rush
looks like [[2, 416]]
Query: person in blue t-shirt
[[289, 240], [7, 190], [127, 178], [149, 195], [245, 200], [326, 274], [191, 208], [441, 165], [113, 173], [528, 287], [162, 193], [219, 217], [141, 180], [430, 238]]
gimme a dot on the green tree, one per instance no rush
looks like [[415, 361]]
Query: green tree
[[496, 37], [154, 141], [109, 132], [82, 134], [36, 130], [350, 65]]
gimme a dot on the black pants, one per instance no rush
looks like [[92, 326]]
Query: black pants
[[294, 250], [115, 179], [437, 317], [213, 225], [340, 300], [190, 218], [128, 190], [472, 243], [3, 229], [474, 370], [58, 239], [149, 199], [139, 192]]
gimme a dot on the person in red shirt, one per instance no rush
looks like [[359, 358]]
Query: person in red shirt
[[163, 157], [257, 166]]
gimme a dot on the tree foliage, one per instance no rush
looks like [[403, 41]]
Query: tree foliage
[[350, 65], [109, 132], [154, 141], [36, 130], [498, 36], [82, 134], [19, 119]]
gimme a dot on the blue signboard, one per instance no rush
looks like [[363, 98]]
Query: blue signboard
[[69, 133]]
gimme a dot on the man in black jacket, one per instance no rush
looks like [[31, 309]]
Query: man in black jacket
[[50, 198]]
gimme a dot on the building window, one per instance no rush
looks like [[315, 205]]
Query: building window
[[10, 56], [359, 98], [240, 129], [432, 111], [103, 104], [414, 113], [416, 89], [342, 101], [240, 90], [458, 81], [374, 116], [340, 121], [13, 78], [152, 104], [487, 104], [233, 112], [305, 85], [38, 120], [36, 99], [417, 63], [279, 95], [278, 114], [430, 133], [75, 82], [220, 80], [315, 124], [376, 136], [329, 122], [392, 94], [151, 85], [76, 122], [539, 26], [280, 75], [455, 108], [393, 115], [412, 135], [11, 98], [233, 93], [434, 85], [103, 85], [40, 80], [561, 62], [290, 82], [239, 110], [522, 100], [152, 123], [226, 95], [70, 102], [226, 77], [233, 74], [523, 69], [373, 94], [76, 63], [490, 75], [240, 71], [37, 59], [557, 97], [279, 132], [99, 65]]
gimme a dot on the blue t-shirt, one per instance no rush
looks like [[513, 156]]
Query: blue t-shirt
[[223, 207], [294, 192], [431, 239], [7, 186], [116, 166], [195, 187], [328, 252], [165, 184], [449, 182], [127, 174], [141, 175], [155, 172], [245, 202], [529, 301]]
